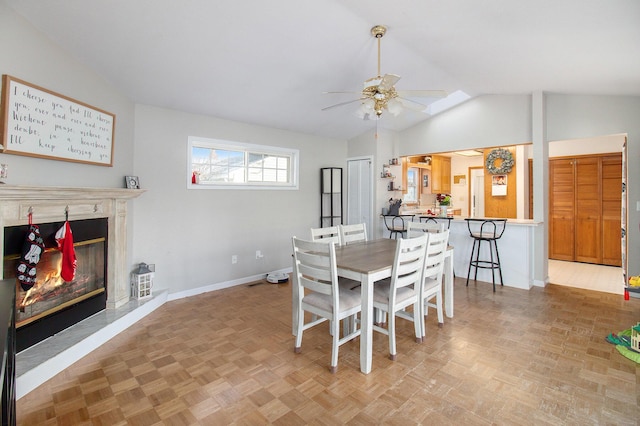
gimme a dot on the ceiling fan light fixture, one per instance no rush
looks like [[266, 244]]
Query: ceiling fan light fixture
[[394, 107]]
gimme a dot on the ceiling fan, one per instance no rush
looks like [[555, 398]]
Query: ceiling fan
[[379, 93]]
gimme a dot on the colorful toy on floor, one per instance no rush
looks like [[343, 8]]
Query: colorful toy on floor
[[635, 337], [627, 342], [634, 281]]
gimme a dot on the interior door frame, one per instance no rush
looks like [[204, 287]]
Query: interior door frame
[[470, 194], [370, 176]]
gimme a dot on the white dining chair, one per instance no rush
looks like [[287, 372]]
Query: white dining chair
[[332, 234], [402, 290], [326, 235], [356, 232], [318, 292], [432, 279], [414, 229]]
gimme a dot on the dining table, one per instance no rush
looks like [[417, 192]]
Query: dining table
[[371, 261]]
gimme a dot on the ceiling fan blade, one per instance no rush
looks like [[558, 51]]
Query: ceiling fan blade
[[388, 81], [413, 105], [331, 93], [342, 103], [423, 93]]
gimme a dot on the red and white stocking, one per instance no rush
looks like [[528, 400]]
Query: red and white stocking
[[64, 238]]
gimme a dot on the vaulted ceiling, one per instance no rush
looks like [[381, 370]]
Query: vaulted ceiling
[[269, 62]]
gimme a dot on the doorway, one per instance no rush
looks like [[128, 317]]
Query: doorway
[[360, 192], [476, 192], [601, 275]]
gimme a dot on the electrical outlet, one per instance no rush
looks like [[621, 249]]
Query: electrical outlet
[[234, 259], [259, 254]]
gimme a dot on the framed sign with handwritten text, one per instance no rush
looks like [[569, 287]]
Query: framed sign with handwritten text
[[37, 122]]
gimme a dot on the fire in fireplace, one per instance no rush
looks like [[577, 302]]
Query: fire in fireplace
[[52, 304]]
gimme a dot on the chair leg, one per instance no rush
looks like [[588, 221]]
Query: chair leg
[[475, 275], [492, 264], [335, 326], [495, 242], [392, 335], [473, 248], [298, 347], [439, 308], [418, 320]]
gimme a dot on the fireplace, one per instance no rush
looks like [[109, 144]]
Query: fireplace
[[106, 250], [52, 304]]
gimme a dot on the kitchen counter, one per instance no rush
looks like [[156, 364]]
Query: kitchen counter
[[515, 250]]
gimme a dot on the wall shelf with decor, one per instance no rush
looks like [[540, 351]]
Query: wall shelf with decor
[[390, 171]]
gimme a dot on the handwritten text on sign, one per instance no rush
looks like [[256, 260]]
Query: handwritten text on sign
[[41, 123]]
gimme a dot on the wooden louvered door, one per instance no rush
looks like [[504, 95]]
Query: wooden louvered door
[[611, 210], [584, 209], [561, 209], [588, 210]]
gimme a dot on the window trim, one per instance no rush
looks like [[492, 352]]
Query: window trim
[[293, 154]]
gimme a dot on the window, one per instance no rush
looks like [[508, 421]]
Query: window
[[411, 196], [222, 164]]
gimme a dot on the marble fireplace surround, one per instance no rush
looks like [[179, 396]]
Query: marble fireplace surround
[[48, 204]]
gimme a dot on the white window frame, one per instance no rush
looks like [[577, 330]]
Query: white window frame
[[246, 148], [412, 184]]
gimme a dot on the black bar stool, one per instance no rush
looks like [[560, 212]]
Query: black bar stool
[[436, 219], [489, 230], [397, 224]]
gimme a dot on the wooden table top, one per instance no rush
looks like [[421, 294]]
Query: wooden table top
[[368, 257]]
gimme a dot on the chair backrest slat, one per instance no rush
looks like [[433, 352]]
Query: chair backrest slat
[[329, 234], [353, 233], [408, 265], [434, 259], [315, 266], [414, 229]]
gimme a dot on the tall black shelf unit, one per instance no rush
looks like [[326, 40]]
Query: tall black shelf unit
[[330, 196]]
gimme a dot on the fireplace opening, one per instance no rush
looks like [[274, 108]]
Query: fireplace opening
[[52, 304]]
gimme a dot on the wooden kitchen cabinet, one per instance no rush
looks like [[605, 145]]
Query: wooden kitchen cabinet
[[440, 174]]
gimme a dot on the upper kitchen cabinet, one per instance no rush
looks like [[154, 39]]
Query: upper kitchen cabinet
[[440, 174], [439, 167]]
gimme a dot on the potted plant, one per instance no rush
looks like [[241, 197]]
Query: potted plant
[[444, 201]]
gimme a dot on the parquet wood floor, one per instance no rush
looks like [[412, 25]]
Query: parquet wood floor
[[226, 357]]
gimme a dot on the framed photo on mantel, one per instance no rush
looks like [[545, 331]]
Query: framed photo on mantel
[[37, 122], [132, 182]]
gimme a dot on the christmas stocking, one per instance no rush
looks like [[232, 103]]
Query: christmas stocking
[[31, 251], [64, 238]]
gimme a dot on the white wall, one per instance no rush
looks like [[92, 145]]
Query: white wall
[[586, 116], [485, 121], [30, 56], [191, 234]]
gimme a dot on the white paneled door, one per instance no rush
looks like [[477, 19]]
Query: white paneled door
[[360, 192]]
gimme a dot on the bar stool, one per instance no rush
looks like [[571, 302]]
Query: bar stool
[[397, 224], [489, 230], [436, 219]]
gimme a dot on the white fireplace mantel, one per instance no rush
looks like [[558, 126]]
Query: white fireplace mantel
[[50, 204]]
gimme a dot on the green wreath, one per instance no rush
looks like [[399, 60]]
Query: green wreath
[[505, 166]]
